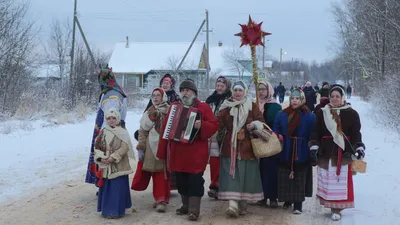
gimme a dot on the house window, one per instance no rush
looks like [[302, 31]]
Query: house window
[[131, 81], [120, 80]]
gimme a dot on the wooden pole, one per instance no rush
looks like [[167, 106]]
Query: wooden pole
[[255, 70]]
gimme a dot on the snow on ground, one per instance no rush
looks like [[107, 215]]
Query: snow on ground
[[42, 156], [35, 161], [377, 192]]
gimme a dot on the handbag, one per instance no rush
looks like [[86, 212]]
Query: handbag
[[262, 149], [359, 166]]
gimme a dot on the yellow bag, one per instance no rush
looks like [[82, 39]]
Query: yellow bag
[[359, 166], [262, 149]]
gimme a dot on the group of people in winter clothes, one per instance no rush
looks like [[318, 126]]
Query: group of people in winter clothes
[[328, 137]]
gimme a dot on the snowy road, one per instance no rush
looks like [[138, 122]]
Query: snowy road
[[43, 173]]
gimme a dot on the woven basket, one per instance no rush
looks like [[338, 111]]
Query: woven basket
[[262, 149]]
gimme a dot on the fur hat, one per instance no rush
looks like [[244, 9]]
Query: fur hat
[[324, 83], [189, 84]]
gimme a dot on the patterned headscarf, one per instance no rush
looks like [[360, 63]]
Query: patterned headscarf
[[294, 117], [108, 82]]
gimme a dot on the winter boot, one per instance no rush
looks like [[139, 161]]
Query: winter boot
[[336, 215], [213, 193], [297, 208], [286, 205], [242, 207], [194, 208], [262, 202], [233, 209], [273, 203], [184, 209], [161, 207]]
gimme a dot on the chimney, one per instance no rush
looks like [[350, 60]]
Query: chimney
[[127, 42], [220, 44]]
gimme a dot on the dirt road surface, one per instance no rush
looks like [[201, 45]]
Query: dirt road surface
[[74, 202]]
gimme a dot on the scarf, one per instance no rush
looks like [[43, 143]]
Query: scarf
[[217, 99], [269, 98], [332, 121], [239, 110], [108, 133], [294, 118]]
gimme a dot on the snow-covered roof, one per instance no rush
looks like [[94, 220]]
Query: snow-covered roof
[[141, 57], [47, 70], [219, 64]]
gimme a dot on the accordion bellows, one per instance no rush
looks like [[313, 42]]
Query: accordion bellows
[[180, 123]]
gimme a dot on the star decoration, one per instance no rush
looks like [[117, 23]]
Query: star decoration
[[252, 34]]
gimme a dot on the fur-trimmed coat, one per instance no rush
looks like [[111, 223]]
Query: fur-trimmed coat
[[118, 150], [328, 150], [149, 138]]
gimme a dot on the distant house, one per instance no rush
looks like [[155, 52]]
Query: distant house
[[140, 65], [47, 75]]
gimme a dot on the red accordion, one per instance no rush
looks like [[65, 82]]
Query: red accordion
[[180, 123]]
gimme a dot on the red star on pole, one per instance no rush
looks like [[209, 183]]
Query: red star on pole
[[252, 34]]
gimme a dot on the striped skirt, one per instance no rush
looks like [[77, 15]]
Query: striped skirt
[[334, 191]]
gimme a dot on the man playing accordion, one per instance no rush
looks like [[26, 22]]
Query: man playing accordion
[[188, 159]]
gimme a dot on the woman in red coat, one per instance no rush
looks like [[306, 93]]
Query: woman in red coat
[[189, 161]]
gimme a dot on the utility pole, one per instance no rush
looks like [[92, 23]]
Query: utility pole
[[71, 71], [208, 54], [263, 57]]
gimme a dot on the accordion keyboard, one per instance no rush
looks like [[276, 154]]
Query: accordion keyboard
[[169, 122]]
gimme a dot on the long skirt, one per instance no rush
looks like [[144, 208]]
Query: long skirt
[[292, 190], [269, 177], [92, 168], [336, 192], [114, 197], [247, 182]]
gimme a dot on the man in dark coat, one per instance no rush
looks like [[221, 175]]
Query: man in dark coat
[[349, 90], [311, 98], [281, 92]]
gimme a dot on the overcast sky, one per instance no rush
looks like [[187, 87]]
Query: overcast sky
[[303, 28]]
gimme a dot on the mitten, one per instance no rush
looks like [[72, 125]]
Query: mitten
[[360, 153], [141, 155], [314, 154], [137, 135]]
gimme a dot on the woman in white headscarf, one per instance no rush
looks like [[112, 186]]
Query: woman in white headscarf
[[239, 171], [337, 140], [111, 150]]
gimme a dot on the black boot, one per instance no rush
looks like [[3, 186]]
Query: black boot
[[184, 209], [194, 208], [273, 203], [286, 205], [297, 208]]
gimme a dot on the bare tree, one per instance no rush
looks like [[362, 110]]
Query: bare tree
[[58, 47], [16, 43], [232, 58]]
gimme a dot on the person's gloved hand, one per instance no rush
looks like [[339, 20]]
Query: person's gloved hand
[[141, 155], [360, 152], [314, 154]]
